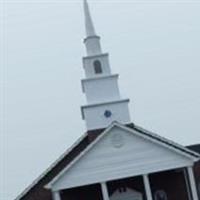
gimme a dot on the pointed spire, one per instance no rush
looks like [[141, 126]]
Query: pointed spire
[[90, 30]]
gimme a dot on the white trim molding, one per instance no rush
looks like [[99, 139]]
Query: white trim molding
[[104, 190], [187, 184], [147, 187], [192, 183], [56, 195]]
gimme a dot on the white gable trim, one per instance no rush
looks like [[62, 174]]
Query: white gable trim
[[49, 185], [168, 143], [50, 168], [147, 135]]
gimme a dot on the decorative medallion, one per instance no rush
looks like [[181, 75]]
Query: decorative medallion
[[117, 140]]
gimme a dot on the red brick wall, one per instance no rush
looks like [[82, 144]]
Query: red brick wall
[[197, 176]]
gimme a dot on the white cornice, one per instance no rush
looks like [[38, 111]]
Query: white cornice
[[95, 56], [100, 77]]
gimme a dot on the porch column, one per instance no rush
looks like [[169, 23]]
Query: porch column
[[192, 183], [147, 187], [104, 190], [187, 184], [56, 195]]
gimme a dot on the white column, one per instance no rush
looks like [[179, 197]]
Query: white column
[[104, 190], [192, 183], [187, 184], [147, 187], [56, 195]]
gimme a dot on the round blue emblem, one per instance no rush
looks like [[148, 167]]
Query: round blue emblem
[[107, 113]]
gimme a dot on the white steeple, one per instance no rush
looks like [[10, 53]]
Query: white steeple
[[104, 103], [89, 27]]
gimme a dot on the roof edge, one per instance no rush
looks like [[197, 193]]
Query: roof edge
[[168, 142], [27, 189]]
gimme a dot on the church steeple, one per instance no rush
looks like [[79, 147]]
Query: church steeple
[[104, 103], [89, 26]]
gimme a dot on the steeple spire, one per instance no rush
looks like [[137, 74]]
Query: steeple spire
[[92, 41], [89, 27]]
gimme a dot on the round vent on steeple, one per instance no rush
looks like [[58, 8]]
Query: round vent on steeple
[[97, 67], [107, 113]]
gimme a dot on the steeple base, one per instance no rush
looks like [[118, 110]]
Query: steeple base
[[101, 115]]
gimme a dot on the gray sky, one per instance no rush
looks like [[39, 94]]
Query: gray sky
[[153, 45]]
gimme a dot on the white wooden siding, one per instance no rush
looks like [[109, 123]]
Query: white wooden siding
[[107, 161]]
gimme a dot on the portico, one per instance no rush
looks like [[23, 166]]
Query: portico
[[162, 185], [123, 162]]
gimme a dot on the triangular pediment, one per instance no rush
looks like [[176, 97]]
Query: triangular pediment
[[120, 152]]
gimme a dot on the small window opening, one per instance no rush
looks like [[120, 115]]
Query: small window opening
[[97, 67]]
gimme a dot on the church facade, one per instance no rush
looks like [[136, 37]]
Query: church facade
[[116, 159]]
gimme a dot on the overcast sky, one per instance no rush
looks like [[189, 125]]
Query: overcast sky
[[153, 45]]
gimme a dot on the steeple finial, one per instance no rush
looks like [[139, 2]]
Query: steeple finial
[[90, 30]]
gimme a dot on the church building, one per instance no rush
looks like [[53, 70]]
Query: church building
[[116, 159]]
